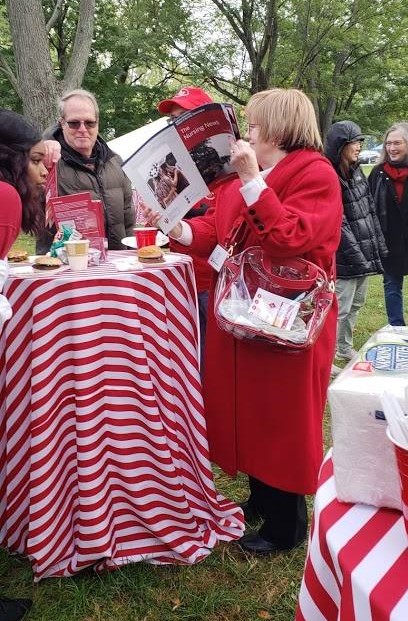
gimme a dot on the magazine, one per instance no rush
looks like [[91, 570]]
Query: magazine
[[82, 213], [177, 166]]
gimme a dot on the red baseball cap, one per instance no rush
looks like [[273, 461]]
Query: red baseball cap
[[188, 97]]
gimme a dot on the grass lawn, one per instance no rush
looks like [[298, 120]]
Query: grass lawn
[[227, 586]]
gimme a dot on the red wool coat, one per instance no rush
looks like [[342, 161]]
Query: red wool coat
[[264, 408], [202, 270]]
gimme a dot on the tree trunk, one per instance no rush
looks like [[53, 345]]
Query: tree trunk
[[82, 46], [35, 76]]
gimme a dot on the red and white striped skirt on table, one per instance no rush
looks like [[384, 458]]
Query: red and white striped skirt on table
[[357, 563], [104, 456]]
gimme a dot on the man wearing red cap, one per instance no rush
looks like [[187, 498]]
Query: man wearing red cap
[[188, 98]]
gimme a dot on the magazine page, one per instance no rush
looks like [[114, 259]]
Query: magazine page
[[174, 169], [82, 213], [165, 177], [207, 132]]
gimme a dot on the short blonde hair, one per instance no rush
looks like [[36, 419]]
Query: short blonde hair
[[286, 117]]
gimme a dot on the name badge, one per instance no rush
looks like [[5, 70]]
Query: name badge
[[218, 257]]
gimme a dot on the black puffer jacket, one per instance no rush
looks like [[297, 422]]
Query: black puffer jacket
[[393, 217], [362, 246]]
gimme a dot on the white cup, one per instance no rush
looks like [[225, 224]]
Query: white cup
[[77, 254]]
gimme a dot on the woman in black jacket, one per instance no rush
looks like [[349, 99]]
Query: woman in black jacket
[[362, 247], [389, 186]]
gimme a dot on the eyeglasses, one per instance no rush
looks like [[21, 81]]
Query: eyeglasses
[[77, 124], [395, 143]]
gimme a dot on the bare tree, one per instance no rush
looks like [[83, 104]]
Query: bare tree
[[35, 79]]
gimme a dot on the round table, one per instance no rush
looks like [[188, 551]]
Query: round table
[[104, 456]]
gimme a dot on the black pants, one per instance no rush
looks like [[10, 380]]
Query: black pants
[[284, 514]]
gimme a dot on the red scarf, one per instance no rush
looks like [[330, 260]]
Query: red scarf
[[399, 177]]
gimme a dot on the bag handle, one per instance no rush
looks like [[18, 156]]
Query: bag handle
[[312, 272], [236, 235], [239, 232]]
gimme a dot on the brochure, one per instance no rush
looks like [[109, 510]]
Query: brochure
[[82, 213], [177, 166]]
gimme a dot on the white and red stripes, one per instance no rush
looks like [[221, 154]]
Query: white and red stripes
[[357, 563], [104, 453]]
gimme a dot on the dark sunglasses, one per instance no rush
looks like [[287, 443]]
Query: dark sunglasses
[[77, 124]]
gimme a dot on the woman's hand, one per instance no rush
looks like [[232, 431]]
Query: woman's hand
[[52, 153], [153, 217], [243, 160]]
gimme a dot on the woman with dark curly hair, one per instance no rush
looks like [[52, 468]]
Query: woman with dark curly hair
[[22, 181], [21, 166]]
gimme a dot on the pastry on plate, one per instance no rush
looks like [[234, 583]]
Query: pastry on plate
[[46, 263], [150, 254], [17, 256]]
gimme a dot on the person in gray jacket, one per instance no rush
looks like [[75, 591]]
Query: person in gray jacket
[[87, 164], [362, 246]]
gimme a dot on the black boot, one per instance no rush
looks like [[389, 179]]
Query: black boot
[[285, 520], [13, 609], [251, 513]]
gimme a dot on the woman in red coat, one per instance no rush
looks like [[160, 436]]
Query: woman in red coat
[[22, 179], [264, 407]]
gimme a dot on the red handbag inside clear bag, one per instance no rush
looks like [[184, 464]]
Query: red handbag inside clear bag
[[284, 302]]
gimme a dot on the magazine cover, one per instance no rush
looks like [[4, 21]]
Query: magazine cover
[[81, 212], [177, 166]]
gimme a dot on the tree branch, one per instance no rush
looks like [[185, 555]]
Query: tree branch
[[82, 45], [59, 5], [7, 70]]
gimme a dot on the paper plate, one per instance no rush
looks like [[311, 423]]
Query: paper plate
[[161, 240], [129, 264]]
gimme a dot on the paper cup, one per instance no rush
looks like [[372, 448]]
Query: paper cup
[[145, 236], [401, 454], [77, 254]]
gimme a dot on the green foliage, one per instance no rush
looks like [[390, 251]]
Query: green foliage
[[8, 97], [132, 60], [348, 55]]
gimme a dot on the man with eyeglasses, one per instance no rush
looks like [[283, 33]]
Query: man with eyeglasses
[[188, 98], [87, 164]]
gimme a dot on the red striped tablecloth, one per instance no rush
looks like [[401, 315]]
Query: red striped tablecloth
[[357, 563], [104, 457]]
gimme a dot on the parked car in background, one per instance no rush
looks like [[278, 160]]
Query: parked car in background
[[369, 156]]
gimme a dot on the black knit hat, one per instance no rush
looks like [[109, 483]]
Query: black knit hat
[[16, 132]]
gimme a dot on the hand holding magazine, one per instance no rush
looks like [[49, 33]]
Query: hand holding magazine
[[177, 166]]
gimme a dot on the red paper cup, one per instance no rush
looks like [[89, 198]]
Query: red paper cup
[[401, 454], [145, 236]]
